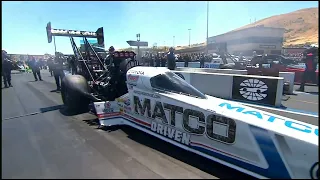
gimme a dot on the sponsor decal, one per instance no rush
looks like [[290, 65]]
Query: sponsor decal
[[146, 94], [208, 125], [253, 89], [136, 72], [107, 107], [305, 128], [180, 75], [130, 86], [72, 32], [170, 132], [127, 102], [124, 104], [258, 90], [133, 78]]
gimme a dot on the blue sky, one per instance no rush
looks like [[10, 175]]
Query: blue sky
[[23, 23]]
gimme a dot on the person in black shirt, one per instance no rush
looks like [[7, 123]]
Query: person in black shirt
[[202, 60], [180, 59], [58, 71], [171, 59], [186, 61], [158, 59], [6, 69], [35, 66], [163, 60], [73, 65], [311, 66], [50, 65]]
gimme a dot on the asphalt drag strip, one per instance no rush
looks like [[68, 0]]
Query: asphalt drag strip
[[40, 140]]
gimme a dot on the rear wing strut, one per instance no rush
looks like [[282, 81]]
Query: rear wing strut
[[74, 33]]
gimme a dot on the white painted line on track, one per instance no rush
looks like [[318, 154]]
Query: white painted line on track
[[299, 92]]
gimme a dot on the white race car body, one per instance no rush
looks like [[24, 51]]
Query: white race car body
[[252, 141]]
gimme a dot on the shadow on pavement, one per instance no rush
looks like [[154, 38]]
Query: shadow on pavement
[[56, 91], [190, 158], [64, 111], [51, 108]]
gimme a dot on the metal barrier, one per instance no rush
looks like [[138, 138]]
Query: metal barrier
[[263, 90]]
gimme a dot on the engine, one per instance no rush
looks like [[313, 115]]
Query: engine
[[112, 84]]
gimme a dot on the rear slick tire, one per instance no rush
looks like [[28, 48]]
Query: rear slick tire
[[74, 100]]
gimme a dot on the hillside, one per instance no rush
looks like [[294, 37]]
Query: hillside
[[301, 26]]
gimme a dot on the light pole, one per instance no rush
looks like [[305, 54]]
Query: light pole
[[173, 40], [189, 36], [138, 39], [54, 42], [207, 27]]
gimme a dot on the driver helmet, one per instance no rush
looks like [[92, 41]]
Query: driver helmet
[[310, 52], [111, 49]]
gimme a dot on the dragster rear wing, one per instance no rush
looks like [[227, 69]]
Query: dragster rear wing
[[74, 33]]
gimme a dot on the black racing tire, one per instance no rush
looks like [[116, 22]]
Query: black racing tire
[[73, 88]]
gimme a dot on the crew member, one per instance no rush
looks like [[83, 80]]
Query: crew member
[[171, 59], [50, 65], [6, 69], [311, 66], [35, 67], [73, 65], [108, 59], [58, 70]]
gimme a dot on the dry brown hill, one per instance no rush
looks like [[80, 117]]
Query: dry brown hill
[[301, 26]]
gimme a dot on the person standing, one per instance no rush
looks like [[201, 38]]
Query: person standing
[[50, 65], [35, 67], [73, 65], [58, 71], [171, 59], [186, 61], [158, 60], [163, 60], [311, 66], [202, 60], [6, 69]]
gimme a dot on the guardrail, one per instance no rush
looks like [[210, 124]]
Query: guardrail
[[263, 90]]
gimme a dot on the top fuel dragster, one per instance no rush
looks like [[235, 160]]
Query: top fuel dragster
[[255, 142], [159, 102]]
